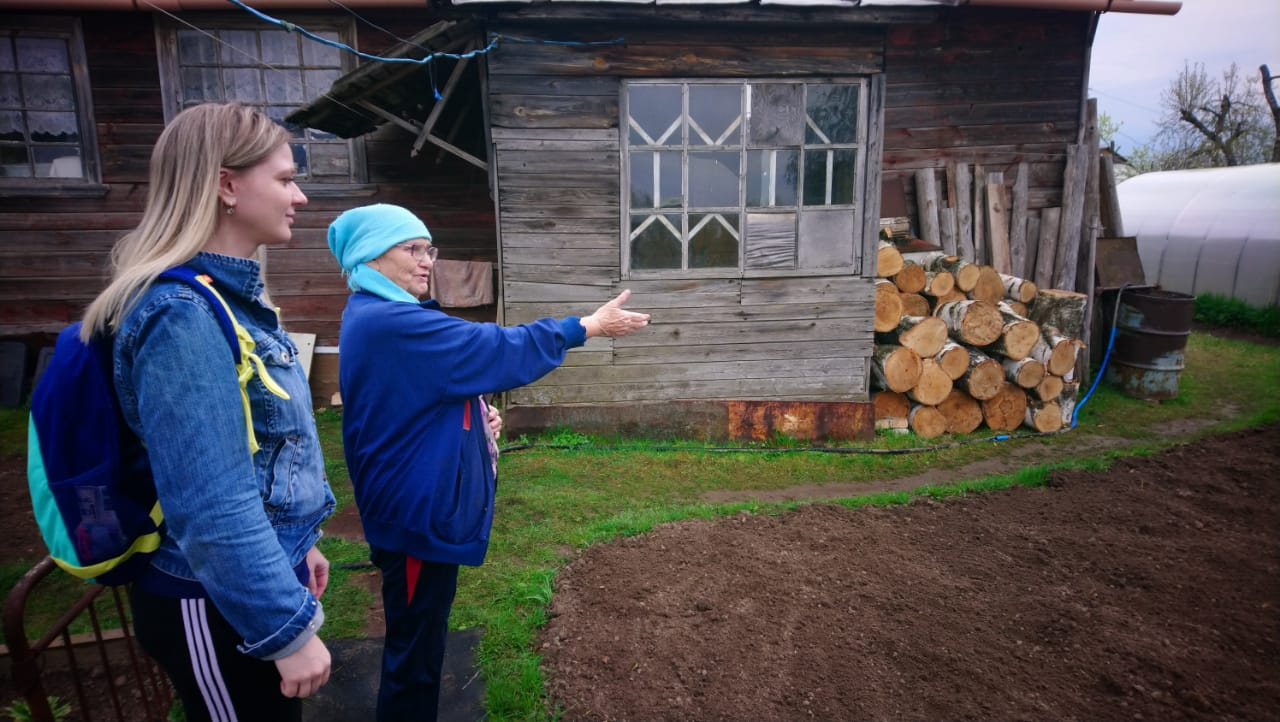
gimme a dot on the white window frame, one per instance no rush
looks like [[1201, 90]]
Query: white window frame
[[744, 147], [171, 85], [89, 183]]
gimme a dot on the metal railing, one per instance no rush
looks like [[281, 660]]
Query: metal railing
[[105, 668]]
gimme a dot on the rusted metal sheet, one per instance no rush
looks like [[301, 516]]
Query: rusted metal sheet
[[1151, 338], [804, 420], [710, 420]]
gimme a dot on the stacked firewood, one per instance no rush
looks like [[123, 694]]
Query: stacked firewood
[[960, 345]]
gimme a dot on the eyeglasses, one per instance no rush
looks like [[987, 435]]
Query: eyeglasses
[[420, 251]]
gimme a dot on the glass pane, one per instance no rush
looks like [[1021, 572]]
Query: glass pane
[[43, 55], [655, 242], [195, 48], [827, 239], [713, 179], [239, 47], [10, 96], [815, 177], [843, 172], [713, 240], [6, 55], [300, 158], [655, 114], [777, 114], [48, 92], [57, 162], [279, 49], [656, 180], [319, 81], [833, 109], [319, 54], [54, 127], [14, 162], [278, 112], [285, 86], [772, 177], [12, 127], [201, 84], [243, 84], [715, 114]]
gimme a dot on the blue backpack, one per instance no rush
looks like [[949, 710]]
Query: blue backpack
[[92, 490]]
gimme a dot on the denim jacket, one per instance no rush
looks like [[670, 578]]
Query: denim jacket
[[237, 525]]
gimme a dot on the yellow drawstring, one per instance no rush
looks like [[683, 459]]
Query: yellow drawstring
[[248, 362]]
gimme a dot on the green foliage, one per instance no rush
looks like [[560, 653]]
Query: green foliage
[[1216, 310], [20, 711]]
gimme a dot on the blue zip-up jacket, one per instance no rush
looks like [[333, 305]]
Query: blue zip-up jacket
[[412, 429], [238, 526]]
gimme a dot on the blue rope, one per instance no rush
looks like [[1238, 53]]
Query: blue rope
[[1102, 368], [493, 42]]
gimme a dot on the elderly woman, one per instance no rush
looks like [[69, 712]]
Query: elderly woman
[[415, 432]]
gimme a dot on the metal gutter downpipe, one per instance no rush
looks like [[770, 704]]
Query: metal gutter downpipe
[[1149, 7]]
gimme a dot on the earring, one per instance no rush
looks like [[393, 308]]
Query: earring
[[231, 210]]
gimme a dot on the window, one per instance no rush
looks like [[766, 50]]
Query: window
[[46, 124], [728, 178], [231, 59]]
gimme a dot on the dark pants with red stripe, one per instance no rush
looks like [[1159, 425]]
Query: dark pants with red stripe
[[416, 597]]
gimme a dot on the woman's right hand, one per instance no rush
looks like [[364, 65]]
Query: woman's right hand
[[614, 321], [304, 671]]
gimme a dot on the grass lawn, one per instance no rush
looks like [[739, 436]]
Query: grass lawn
[[564, 491]]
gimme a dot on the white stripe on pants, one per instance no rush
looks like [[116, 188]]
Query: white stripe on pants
[[204, 661]]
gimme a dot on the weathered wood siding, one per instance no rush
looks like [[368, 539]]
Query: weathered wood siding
[[986, 86], [55, 251], [554, 119]]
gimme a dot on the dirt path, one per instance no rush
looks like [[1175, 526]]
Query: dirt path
[[1151, 591]]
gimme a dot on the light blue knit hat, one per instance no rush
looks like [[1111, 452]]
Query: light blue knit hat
[[362, 234]]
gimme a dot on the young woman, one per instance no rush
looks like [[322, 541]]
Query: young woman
[[229, 606], [414, 431]]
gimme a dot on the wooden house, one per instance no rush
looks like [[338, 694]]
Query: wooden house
[[725, 161]]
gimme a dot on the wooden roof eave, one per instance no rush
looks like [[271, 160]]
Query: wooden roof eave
[[378, 92]]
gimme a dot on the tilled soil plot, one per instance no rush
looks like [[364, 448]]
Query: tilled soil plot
[[1147, 592]]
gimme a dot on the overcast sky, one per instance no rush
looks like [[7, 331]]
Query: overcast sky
[[1136, 57]]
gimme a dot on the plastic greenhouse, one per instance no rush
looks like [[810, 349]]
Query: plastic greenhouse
[[1212, 230]]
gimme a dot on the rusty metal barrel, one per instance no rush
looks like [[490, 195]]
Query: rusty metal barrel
[[1151, 339]]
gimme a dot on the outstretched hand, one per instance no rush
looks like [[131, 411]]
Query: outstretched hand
[[613, 320]]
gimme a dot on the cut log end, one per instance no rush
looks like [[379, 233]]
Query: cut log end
[[1006, 410], [1045, 417], [927, 422]]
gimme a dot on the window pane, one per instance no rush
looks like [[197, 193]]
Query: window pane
[[195, 48], [12, 126], [10, 96], [713, 240], [319, 54], [777, 114], [655, 114], [655, 242], [834, 112], [815, 177], [54, 127], [844, 170], [715, 114], [48, 92], [239, 47], [656, 180], [772, 177], [301, 159], [7, 62], [201, 84], [279, 48], [43, 55], [57, 162], [771, 240], [827, 239], [243, 84], [285, 86], [14, 162], [319, 81], [829, 176], [713, 179]]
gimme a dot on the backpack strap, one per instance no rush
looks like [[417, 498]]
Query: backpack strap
[[238, 337]]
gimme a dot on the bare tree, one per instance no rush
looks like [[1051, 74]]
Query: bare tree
[[1270, 94], [1212, 122]]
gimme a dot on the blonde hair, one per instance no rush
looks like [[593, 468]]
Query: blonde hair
[[182, 200]]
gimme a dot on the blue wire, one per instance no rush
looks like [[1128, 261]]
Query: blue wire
[[1105, 357]]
